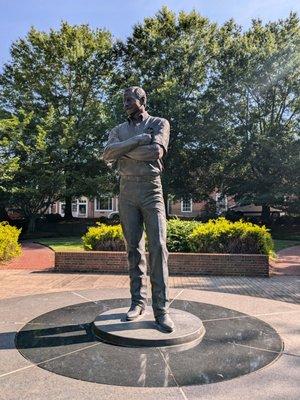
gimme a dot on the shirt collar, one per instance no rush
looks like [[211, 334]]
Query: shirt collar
[[144, 115]]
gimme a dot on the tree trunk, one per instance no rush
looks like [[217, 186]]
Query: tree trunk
[[3, 214], [68, 208], [32, 223], [265, 214]]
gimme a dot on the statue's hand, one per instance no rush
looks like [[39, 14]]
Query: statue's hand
[[144, 138], [150, 131]]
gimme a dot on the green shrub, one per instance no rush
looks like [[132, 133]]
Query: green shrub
[[223, 236], [178, 232], [214, 236], [9, 246], [104, 237]]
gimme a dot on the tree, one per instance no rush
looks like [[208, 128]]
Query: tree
[[32, 176], [171, 57], [9, 165], [232, 99], [61, 77], [256, 90]]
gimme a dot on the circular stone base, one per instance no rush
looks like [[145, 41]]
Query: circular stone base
[[112, 327], [234, 345]]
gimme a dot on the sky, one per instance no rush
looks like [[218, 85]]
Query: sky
[[119, 16]]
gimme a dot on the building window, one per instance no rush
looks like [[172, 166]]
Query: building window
[[79, 208], [82, 206], [221, 203], [104, 204], [187, 205], [74, 207], [62, 207]]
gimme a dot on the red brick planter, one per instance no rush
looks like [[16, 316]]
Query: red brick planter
[[179, 263]]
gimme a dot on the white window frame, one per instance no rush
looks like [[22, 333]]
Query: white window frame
[[75, 203], [191, 206], [75, 213], [106, 209], [61, 203], [82, 202]]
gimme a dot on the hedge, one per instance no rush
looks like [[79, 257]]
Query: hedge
[[9, 246], [178, 232], [214, 236], [223, 236], [104, 237]]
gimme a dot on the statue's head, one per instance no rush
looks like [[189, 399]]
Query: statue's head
[[135, 100]]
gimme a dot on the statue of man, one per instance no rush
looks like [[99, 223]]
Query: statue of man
[[138, 145]]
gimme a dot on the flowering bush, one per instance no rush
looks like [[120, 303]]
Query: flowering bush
[[104, 237], [214, 236], [9, 246], [223, 236], [178, 232]]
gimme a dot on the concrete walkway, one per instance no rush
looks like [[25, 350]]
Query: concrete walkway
[[49, 377], [27, 294], [288, 262], [34, 257], [23, 283]]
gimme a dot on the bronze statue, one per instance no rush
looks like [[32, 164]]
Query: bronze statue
[[138, 145]]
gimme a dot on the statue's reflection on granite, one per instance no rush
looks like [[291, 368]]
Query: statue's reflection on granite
[[234, 344]]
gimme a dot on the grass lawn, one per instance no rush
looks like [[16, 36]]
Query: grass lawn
[[283, 244], [73, 243], [70, 243]]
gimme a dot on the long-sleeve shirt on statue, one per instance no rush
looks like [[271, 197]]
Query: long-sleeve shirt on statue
[[134, 159]]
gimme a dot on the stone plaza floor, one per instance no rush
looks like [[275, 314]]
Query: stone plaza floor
[[251, 349]]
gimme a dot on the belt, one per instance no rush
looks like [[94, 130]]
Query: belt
[[140, 178]]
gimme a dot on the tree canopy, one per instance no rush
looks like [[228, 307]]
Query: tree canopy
[[60, 79], [255, 93], [231, 96], [171, 57]]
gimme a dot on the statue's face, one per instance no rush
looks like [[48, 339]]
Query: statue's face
[[131, 104]]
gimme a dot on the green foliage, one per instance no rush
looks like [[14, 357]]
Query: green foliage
[[231, 96], [55, 88], [178, 232], [223, 236], [214, 236], [9, 246], [171, 56], [104, 237], [255, 92], [8, 163]]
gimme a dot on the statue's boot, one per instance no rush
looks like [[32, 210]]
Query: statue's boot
[[135, 312], [165, 323]]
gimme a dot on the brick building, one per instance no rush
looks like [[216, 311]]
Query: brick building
[[87, 208], [104, 206]]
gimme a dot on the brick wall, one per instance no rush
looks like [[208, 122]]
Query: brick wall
[[179, 263]]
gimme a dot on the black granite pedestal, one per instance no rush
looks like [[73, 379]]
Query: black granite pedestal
[[112, 327], [62, 341]]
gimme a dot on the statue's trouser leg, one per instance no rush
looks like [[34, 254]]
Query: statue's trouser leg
[[154, 214], [132, 225]]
